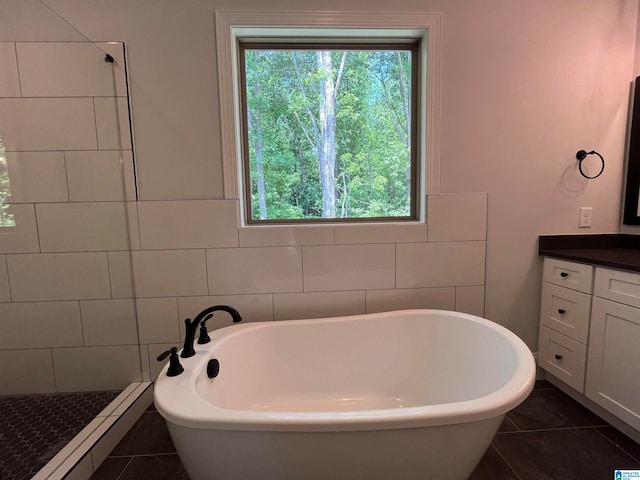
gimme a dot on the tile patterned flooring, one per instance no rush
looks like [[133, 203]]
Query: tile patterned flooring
[[548, 437], [34, 428]]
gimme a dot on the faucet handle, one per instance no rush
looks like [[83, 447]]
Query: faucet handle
[[175, 368], [204, 335]]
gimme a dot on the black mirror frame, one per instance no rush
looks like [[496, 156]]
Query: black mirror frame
[[632, 190]]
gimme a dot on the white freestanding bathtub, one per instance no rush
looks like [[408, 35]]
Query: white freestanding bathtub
[[414, 394]]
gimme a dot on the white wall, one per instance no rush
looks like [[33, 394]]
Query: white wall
[[525, 86]]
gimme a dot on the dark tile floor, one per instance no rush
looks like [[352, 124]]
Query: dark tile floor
[[548, 437], [34, 428]]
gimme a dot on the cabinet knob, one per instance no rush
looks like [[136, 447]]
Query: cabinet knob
[[558, 357], [564, 274], [562, 311]]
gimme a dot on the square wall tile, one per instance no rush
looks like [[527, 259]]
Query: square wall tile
[[188, 224], [85, 369], [93, 226], [5, 292], [48, 124], [58, 276], [9, 81], [349, 267], [254, 270], [31, 372], [101, 175], [37, 177], [470, 300], [402, 299], [23, 238], [440, 264], [252, 308], [169, 273], [69, 69], [109, 322], [455, 217], [40, 324], [158, 320], [275, 236], [383, 233], [112, 123], [298, 306]]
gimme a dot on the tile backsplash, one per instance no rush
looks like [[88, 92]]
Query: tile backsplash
[[94, 284]]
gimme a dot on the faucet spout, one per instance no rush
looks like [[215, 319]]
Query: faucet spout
[[192, 326]]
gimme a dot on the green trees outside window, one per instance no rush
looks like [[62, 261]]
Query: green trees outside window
[[329, 133], [6, 216]]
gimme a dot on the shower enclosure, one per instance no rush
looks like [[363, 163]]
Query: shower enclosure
[[69, 339]]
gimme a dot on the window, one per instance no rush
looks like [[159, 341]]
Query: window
[[329, 130], [329, 117]]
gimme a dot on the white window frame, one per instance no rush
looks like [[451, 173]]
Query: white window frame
[[234, 25]]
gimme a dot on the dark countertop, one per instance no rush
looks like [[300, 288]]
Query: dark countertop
[[619, 251]]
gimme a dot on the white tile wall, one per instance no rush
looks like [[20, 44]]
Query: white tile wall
[[272, 236], [5, 292], [94, 226], [96, 368], [296, 306], [402, 299], [34, 124], [55, 69], [100, 175], [349, 267], [188, 224], [440, 264], [121, 274], [254, 270], [470, 300], [23, 238], [391, 233], [37, 177], [58, 276], [31, 372], [9, 81], [112, 123], [167, 273], [40, 324], [109, 322], [158, 320], [455, 217]]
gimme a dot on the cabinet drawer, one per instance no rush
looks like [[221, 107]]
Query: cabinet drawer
[[622, 287], [576, 276], [566, 311], [562, 357]]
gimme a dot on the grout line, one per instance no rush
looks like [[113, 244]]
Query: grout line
[[614, 443], [505, 461], [534, 430], [124, 469]]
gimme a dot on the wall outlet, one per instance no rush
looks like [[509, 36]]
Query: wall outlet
[[585, 217]]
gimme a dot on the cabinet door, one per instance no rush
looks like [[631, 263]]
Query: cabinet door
[[613, 367]]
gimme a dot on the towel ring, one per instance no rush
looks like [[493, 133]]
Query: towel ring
[[581, 155]]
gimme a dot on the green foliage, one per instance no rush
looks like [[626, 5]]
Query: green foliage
[[6, 216], [372, 139]]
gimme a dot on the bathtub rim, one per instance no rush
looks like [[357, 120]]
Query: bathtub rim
[[178, 401]]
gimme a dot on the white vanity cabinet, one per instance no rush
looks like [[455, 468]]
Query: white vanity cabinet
[[564, 320], [590, 334], [613, 364]]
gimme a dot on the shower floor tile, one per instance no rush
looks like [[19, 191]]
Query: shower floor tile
[[34, 428], [549, 436]]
